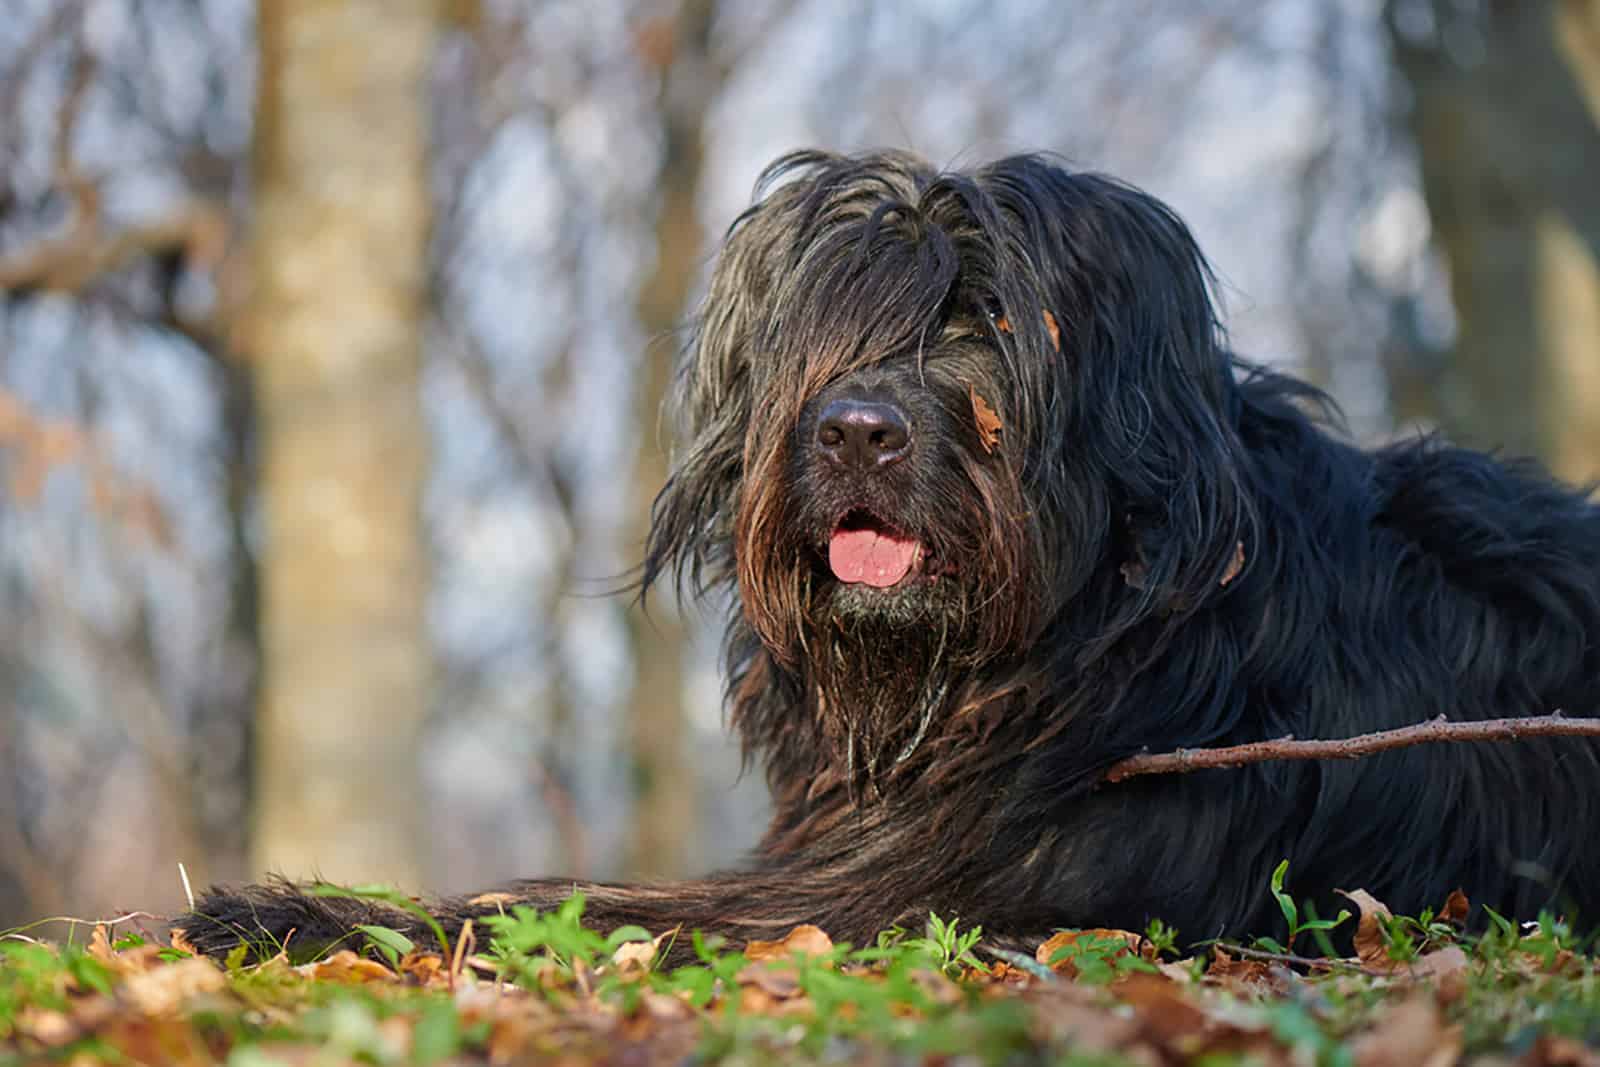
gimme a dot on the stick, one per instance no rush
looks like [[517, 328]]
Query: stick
[[1436, 730]]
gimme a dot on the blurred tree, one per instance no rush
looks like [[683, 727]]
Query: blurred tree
[[1505, 110], [335, 329], [129, 626], [677, 50]]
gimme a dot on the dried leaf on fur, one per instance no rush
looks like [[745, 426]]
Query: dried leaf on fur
[[1003, 324], [1235, 565], [989, 424]]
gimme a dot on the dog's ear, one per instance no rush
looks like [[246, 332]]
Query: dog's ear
[[691, 520], [1149, 382]]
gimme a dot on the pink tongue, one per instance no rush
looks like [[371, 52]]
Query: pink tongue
[[869, 556]]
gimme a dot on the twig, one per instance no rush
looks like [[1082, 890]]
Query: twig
[[1263, 956], [1436, 730]]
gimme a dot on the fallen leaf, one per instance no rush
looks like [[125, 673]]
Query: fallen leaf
[[163, 990], [1370, 946], [46, 1026], [181, 943], [1131, 944], [1455, 908], [989, 424], [780, 983], [1442, 963], [346, 966], [806, 940], [133, 960], [1411, 1034], [500, 898], [1553, 1050], [1064, 1012], [1180, 971], [635, 957], [1161, 1006], [426, 967], [1236, 972]]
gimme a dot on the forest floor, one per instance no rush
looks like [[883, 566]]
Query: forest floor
[[1417, 991]]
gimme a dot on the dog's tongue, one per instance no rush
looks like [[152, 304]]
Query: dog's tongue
[[870, 556]]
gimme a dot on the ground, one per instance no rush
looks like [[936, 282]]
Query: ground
[[1418, 992]]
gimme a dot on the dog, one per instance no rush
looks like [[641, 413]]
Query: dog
[[998, 507]]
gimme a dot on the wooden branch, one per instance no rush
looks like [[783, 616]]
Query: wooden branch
[[72, 261], [1434, 731]]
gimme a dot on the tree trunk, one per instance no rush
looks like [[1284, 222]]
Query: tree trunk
[[334, 331], [664, 795], [1504, 112]]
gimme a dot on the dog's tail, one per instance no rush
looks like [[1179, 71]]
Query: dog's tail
[[280, 916]]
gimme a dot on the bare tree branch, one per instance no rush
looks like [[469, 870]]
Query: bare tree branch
[[1434, 731], [71, 262]]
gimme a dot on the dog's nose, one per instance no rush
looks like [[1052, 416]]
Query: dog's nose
[[863, 435]]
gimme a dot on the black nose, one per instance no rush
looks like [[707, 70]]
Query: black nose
[[863, 435]]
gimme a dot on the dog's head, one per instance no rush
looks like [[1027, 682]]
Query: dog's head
[[960, 404]]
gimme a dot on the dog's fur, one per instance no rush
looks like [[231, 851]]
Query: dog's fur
[[1087, 467]]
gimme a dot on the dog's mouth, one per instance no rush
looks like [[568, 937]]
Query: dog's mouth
[[865, 550]]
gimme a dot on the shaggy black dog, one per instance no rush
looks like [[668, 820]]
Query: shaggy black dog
[[1000, 508]]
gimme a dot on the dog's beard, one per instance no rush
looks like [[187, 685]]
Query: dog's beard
[[879, 669]]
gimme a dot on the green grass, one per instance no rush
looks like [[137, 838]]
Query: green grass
[[542, 985]]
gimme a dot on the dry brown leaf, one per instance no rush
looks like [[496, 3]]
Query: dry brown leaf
[[780, 983], [133, 960], [163, 990], [1455, 908], [181, 943], [1067, 1013], [427, 968], [1553, 1050], [806, 940], [1370, 946], [1410, 1034], [1235, 565], [46, 1026], [1228, 971], [635, 957], [1161, 1006], [1443, 963], [1180, 971], [1131, 944], [346, 966], [1003, 324], [989, 424]]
